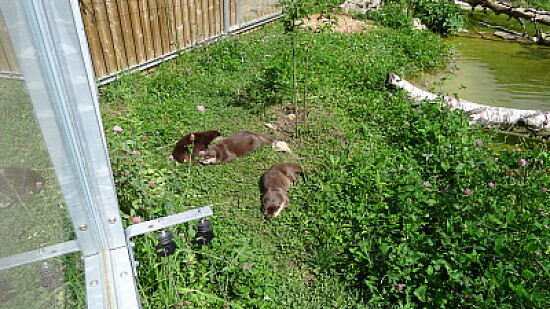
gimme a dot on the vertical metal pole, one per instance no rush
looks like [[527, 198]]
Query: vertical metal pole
[[226, 24]]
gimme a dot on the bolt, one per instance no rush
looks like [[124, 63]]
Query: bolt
[[94, 283], [83, 227], [112, 220]]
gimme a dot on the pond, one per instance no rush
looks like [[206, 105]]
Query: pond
[[495, 73]]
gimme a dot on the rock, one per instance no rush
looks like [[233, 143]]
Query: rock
[[360, 6], [418, 25], [270, 126], [280, 146]]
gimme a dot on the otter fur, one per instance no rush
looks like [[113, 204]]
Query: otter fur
[[239, 144], [275, 184], [199, 141], [17, 183]]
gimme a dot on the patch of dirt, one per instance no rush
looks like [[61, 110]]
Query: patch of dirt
[[344, 23]]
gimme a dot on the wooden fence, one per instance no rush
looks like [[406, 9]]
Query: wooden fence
[[8, 60], [128, 33], [125, 34]]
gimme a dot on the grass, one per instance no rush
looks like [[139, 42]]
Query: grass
[[381, 219]]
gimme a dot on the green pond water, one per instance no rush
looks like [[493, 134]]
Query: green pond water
[[495, 73]]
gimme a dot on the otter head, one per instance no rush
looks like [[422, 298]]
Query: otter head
[[208, 156], [274, 201]]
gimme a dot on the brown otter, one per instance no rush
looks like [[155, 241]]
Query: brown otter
[[199, 141], [16, 183], [236, 145], [275, 184]]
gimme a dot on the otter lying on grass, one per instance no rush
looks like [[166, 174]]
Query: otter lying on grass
[[275, 184], [198, 141], [236, 145]]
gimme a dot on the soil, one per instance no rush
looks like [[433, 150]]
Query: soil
[[344, 23]]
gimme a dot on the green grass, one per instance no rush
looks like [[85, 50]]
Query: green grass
[[380, 220]]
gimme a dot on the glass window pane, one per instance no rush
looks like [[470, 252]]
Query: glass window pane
[[32, 209], [54, 283]]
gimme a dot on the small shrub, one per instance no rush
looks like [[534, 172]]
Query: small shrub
[[440, 16]]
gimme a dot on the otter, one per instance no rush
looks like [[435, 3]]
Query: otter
[[236, 145], [275, 184], [17, 183], [199, 141]]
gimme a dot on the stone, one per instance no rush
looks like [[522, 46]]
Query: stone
[[360, 6]]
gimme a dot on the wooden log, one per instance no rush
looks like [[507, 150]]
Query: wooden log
[[533, 122], [499, 7]]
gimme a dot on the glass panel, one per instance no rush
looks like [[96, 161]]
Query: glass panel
[[32, 210], [54, 283]]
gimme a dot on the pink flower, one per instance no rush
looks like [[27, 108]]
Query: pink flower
[[201, 108], [135, 220], [479, 142], [188, 68], [522, 162], [202, 152], [246, 266], [491, 185], [546, 225], [543, 190], [467, 192], [135, 153], [170, 157], [181, 235], [151, 183], [400, 287], [117, 129], [537, 253], [39, 184], [426, 184], [63, 267]]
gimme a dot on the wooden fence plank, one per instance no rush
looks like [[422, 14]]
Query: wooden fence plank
[[104, 32], [211, 19], [127, 32], [233, 12], [92, 34], [186, 23], [205, 20], [137, 30], [218, 13], [164, 26], [199, 23], [178, 22], [116, 34], [155, 28], [147, 29], [193, 28], [8, 59]]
